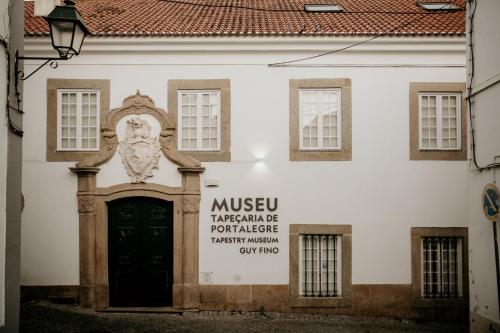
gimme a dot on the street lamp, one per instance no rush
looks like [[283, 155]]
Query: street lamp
[[67, 32], [67, 29]]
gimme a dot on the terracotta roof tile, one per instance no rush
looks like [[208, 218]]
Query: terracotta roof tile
[[256, 18]]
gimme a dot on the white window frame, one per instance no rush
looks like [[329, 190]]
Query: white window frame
[[458, 268], [199, 120], [78, 93], [320, 122], [337, 263], [439, 120]]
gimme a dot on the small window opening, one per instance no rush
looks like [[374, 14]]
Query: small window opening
[[325, 8], [438, 6]]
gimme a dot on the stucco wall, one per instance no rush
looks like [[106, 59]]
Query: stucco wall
[[486, 119], [3, 161], [380, 192]]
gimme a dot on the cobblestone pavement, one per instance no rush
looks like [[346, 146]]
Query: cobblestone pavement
[[45, 317]]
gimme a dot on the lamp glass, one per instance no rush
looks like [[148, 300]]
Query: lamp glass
[[78, 39], [62, 35]]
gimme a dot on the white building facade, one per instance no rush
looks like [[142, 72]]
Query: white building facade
[[483, 70], [332, 185]]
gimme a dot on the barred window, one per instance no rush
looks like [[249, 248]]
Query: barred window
[[199, 120], [320, 267], [78, 120], [442, 267]]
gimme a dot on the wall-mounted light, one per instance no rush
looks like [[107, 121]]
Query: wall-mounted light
[[67, 32]]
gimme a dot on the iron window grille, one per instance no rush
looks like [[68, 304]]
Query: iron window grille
[[320, 267], [441, 267]]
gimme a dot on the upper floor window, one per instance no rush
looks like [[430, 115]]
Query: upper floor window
[[201, 110], [78, 120], [76, 108], [320, 120], [199, 120], [320, 124], [439, 121]]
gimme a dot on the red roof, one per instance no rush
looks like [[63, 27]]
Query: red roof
[[256, 18]]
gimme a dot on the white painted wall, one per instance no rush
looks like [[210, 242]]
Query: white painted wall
[[380, 192], [3, 156], [3, 160], [486, 41]]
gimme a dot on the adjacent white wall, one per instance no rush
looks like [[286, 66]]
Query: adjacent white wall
[[3, 158], [380, 192], [486, 44]]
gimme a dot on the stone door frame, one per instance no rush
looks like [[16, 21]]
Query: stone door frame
[[93, 213]]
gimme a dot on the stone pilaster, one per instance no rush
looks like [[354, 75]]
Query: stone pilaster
[[190, 211], [87, 210]]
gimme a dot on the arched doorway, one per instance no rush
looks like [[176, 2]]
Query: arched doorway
[[140, 252]]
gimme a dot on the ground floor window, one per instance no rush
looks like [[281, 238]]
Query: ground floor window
[[441, 266], [320, 265], [320, 269]]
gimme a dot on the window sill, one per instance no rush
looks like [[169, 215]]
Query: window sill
[[321, 302], [320, 155], [440, 303], [208, 155]]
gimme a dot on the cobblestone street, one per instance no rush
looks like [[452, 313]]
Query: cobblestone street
[[45, 317]]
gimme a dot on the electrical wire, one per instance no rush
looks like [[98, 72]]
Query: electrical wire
[[5, 45], [472, 9], [421, 17], [293, 10]]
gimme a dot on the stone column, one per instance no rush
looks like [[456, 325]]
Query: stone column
[[87, 213], [190, 255]]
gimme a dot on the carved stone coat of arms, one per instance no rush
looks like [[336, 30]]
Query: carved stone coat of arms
[[139, 150]]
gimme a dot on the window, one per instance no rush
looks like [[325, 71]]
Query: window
[[320, 268], [78, 120], [437, 121], [76, 109], [320, 265], [326, 8], [199, 120], [201, 111], [439, 267], [320, 120], [438, 6]]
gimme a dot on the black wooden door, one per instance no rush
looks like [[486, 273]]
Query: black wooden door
[[140, 251]]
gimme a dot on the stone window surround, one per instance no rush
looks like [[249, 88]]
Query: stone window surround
[[345, 300], [345, 153], [431, 154], [224, 155], [416, 267], [52, 154]]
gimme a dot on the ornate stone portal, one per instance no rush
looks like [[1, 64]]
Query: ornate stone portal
[[92, 202], [139, 150]]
